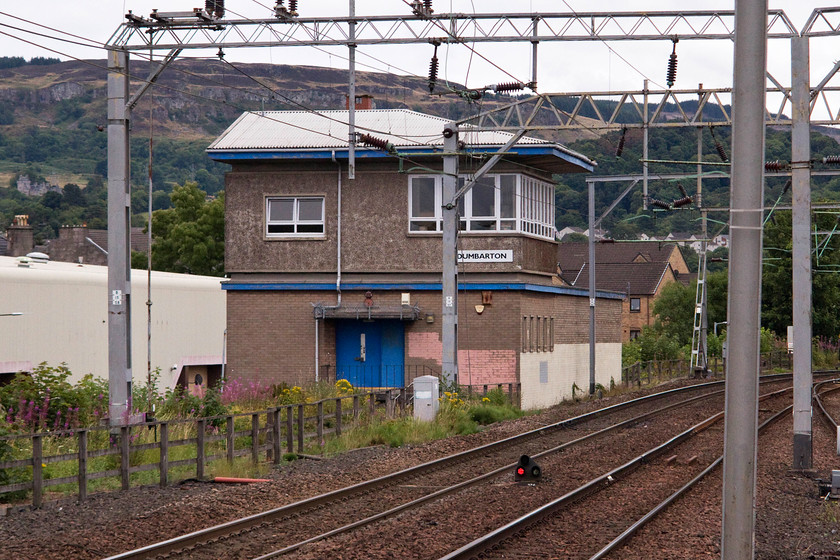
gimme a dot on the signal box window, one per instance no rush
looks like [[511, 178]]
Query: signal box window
[[635, 305], [505, 202], [295, 216]]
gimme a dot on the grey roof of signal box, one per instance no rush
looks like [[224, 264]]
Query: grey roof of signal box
[[278, 135]]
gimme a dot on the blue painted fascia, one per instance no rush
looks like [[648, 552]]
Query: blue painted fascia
[[232, 156], [513, 286]]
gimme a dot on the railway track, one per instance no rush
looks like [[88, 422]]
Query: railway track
[[637, 491], [299, 528], [829, 408]]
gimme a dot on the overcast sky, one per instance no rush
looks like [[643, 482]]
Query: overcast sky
[[569, 67]]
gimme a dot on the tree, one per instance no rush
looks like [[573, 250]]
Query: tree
[[777, 284], [190, 236], [73, 195], [674, 310]]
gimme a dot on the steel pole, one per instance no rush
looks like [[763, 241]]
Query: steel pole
[[534, 43], [645, 143], [449, 336], [591, 287], [351, 101], [704, 232], [119, 219], [746, 213], [801, 213]]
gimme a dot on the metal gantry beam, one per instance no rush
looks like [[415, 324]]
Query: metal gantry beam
[[666, 109], [143, 33]]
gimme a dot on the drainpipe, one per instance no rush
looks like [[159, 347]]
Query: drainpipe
[[338, 236], [224, 353], [337, 266]]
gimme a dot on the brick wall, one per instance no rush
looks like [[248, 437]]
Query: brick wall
[[374, 229], [548, 378], [271, 334], [271, 337]]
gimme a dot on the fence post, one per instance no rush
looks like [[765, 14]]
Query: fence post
[[230, 441], [389, 404], [37, 470], [403, 400], [125, 434], [372, 405], [201, 428], [83, 447], [484, 393], [338, 416], [356, 407], [275, 434], [269, 435], [320, 428], [290, 429], [300, 428], [164, 454], [255, 439]]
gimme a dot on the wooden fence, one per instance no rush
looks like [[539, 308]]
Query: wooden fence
[[661, 370], [270, 433], [513, 391]]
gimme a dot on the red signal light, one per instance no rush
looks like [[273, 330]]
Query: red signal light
[[527, 470]]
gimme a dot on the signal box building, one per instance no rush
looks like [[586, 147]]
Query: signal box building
[[332, 277]]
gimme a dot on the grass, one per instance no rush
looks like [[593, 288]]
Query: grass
[[457, 416], [830, 512]]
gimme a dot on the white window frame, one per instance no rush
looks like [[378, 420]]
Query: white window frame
[[533, 211], [296, 222]]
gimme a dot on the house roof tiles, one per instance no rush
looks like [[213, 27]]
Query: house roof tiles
[[631, 278], [634, 268]]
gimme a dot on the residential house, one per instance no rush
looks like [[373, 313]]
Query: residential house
[[89, 246], [337, 277], [640, 270]]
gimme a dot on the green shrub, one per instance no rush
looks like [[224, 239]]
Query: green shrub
[[496, 397], [46, 400], [211, 405], [486, 413]]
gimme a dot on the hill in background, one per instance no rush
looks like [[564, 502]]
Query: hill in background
[[53, 117]]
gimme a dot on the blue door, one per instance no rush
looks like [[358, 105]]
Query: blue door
[[370, 354]]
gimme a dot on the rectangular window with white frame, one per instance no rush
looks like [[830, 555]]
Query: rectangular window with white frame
[[505, 202], [294, 216]]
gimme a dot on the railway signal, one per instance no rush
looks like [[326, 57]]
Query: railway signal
[[527, 470]]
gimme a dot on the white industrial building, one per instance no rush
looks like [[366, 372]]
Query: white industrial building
[[57, 312]]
